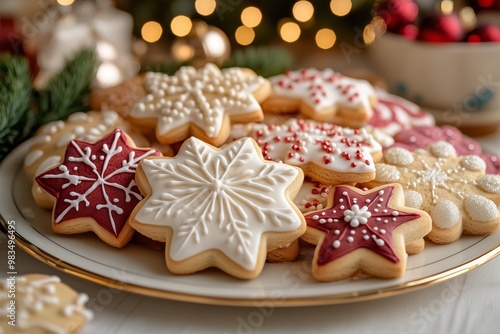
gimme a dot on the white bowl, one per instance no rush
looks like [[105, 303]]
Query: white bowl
[[459, 77]]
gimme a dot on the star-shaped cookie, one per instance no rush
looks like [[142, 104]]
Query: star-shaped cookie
[[202, 103], [221, 208], [327, 153], [325, 96], [363, 231], [94, 187]]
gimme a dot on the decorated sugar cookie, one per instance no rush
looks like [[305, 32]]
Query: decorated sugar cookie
[[221, 208], [325, 96], [42, 305], [453, 189], [120, 98], [393, 114], [312, 196], [423, 136], [363, 231], [327, 153], [202, 103], [94, 187]]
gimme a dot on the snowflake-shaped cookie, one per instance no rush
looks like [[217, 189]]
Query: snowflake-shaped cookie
[[218, 208], [201, 103], [42, 305], [325, 96], [363, 231], [454, 190], [94, 187], [327, 153]]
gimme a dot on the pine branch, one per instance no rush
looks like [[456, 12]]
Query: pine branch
[[15, 96], [265, 61], [67, 91]]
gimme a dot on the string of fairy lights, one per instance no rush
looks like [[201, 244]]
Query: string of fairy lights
[[288, 29]]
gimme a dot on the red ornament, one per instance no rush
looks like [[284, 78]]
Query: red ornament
[[398, 13], [441, 28], [486, 33], [409, 31]]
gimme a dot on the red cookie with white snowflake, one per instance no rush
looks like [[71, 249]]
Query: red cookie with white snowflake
[[325, 96], [223, 208], [393, 114], [363, 232], [423, 136], [43, 305], [453, 189], [327, 153], [94, 187], [201, 103]]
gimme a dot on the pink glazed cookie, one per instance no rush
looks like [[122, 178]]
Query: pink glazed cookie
[[423, 136]]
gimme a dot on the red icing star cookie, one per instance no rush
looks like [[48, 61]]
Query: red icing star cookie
[[94, 187], [363, 231]]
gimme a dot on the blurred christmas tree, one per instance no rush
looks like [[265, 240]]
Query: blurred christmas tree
[[253, 22]]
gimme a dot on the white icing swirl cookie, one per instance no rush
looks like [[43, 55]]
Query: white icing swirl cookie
[[221, 208]]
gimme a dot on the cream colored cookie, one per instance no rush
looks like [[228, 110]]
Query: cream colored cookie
[[201, 103], [325, 96], [41, 304], [120, 98], [327, 153], [94, 189], [223, 208], [364, 232], [456, 193]]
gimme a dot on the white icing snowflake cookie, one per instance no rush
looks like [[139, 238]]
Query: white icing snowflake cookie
[[94, 189], [327, 153], [42, 304], [325, 96], [454, 190], [201, 103], [221, 208]]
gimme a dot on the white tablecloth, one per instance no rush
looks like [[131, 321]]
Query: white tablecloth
[[466, 304]]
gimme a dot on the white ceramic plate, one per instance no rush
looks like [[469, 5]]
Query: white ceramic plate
[[142, 270]]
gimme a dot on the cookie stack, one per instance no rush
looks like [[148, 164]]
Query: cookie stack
[[228, 169]]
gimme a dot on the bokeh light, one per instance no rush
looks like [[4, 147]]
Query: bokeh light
[[181, 25], [303, 11], [341, 7], [251, 16], [151, 31], [325, 38], [205, 7], [290, 32], [244, 35]]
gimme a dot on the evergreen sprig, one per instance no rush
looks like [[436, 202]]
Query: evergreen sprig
[[23, 109], [68, 90], [15, 95]]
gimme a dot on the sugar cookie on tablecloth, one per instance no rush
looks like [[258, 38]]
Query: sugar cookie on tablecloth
[[202, 103], [43, 304], [363, 231], [223, 208], [325, 96], [94, 189], [453, 189]]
